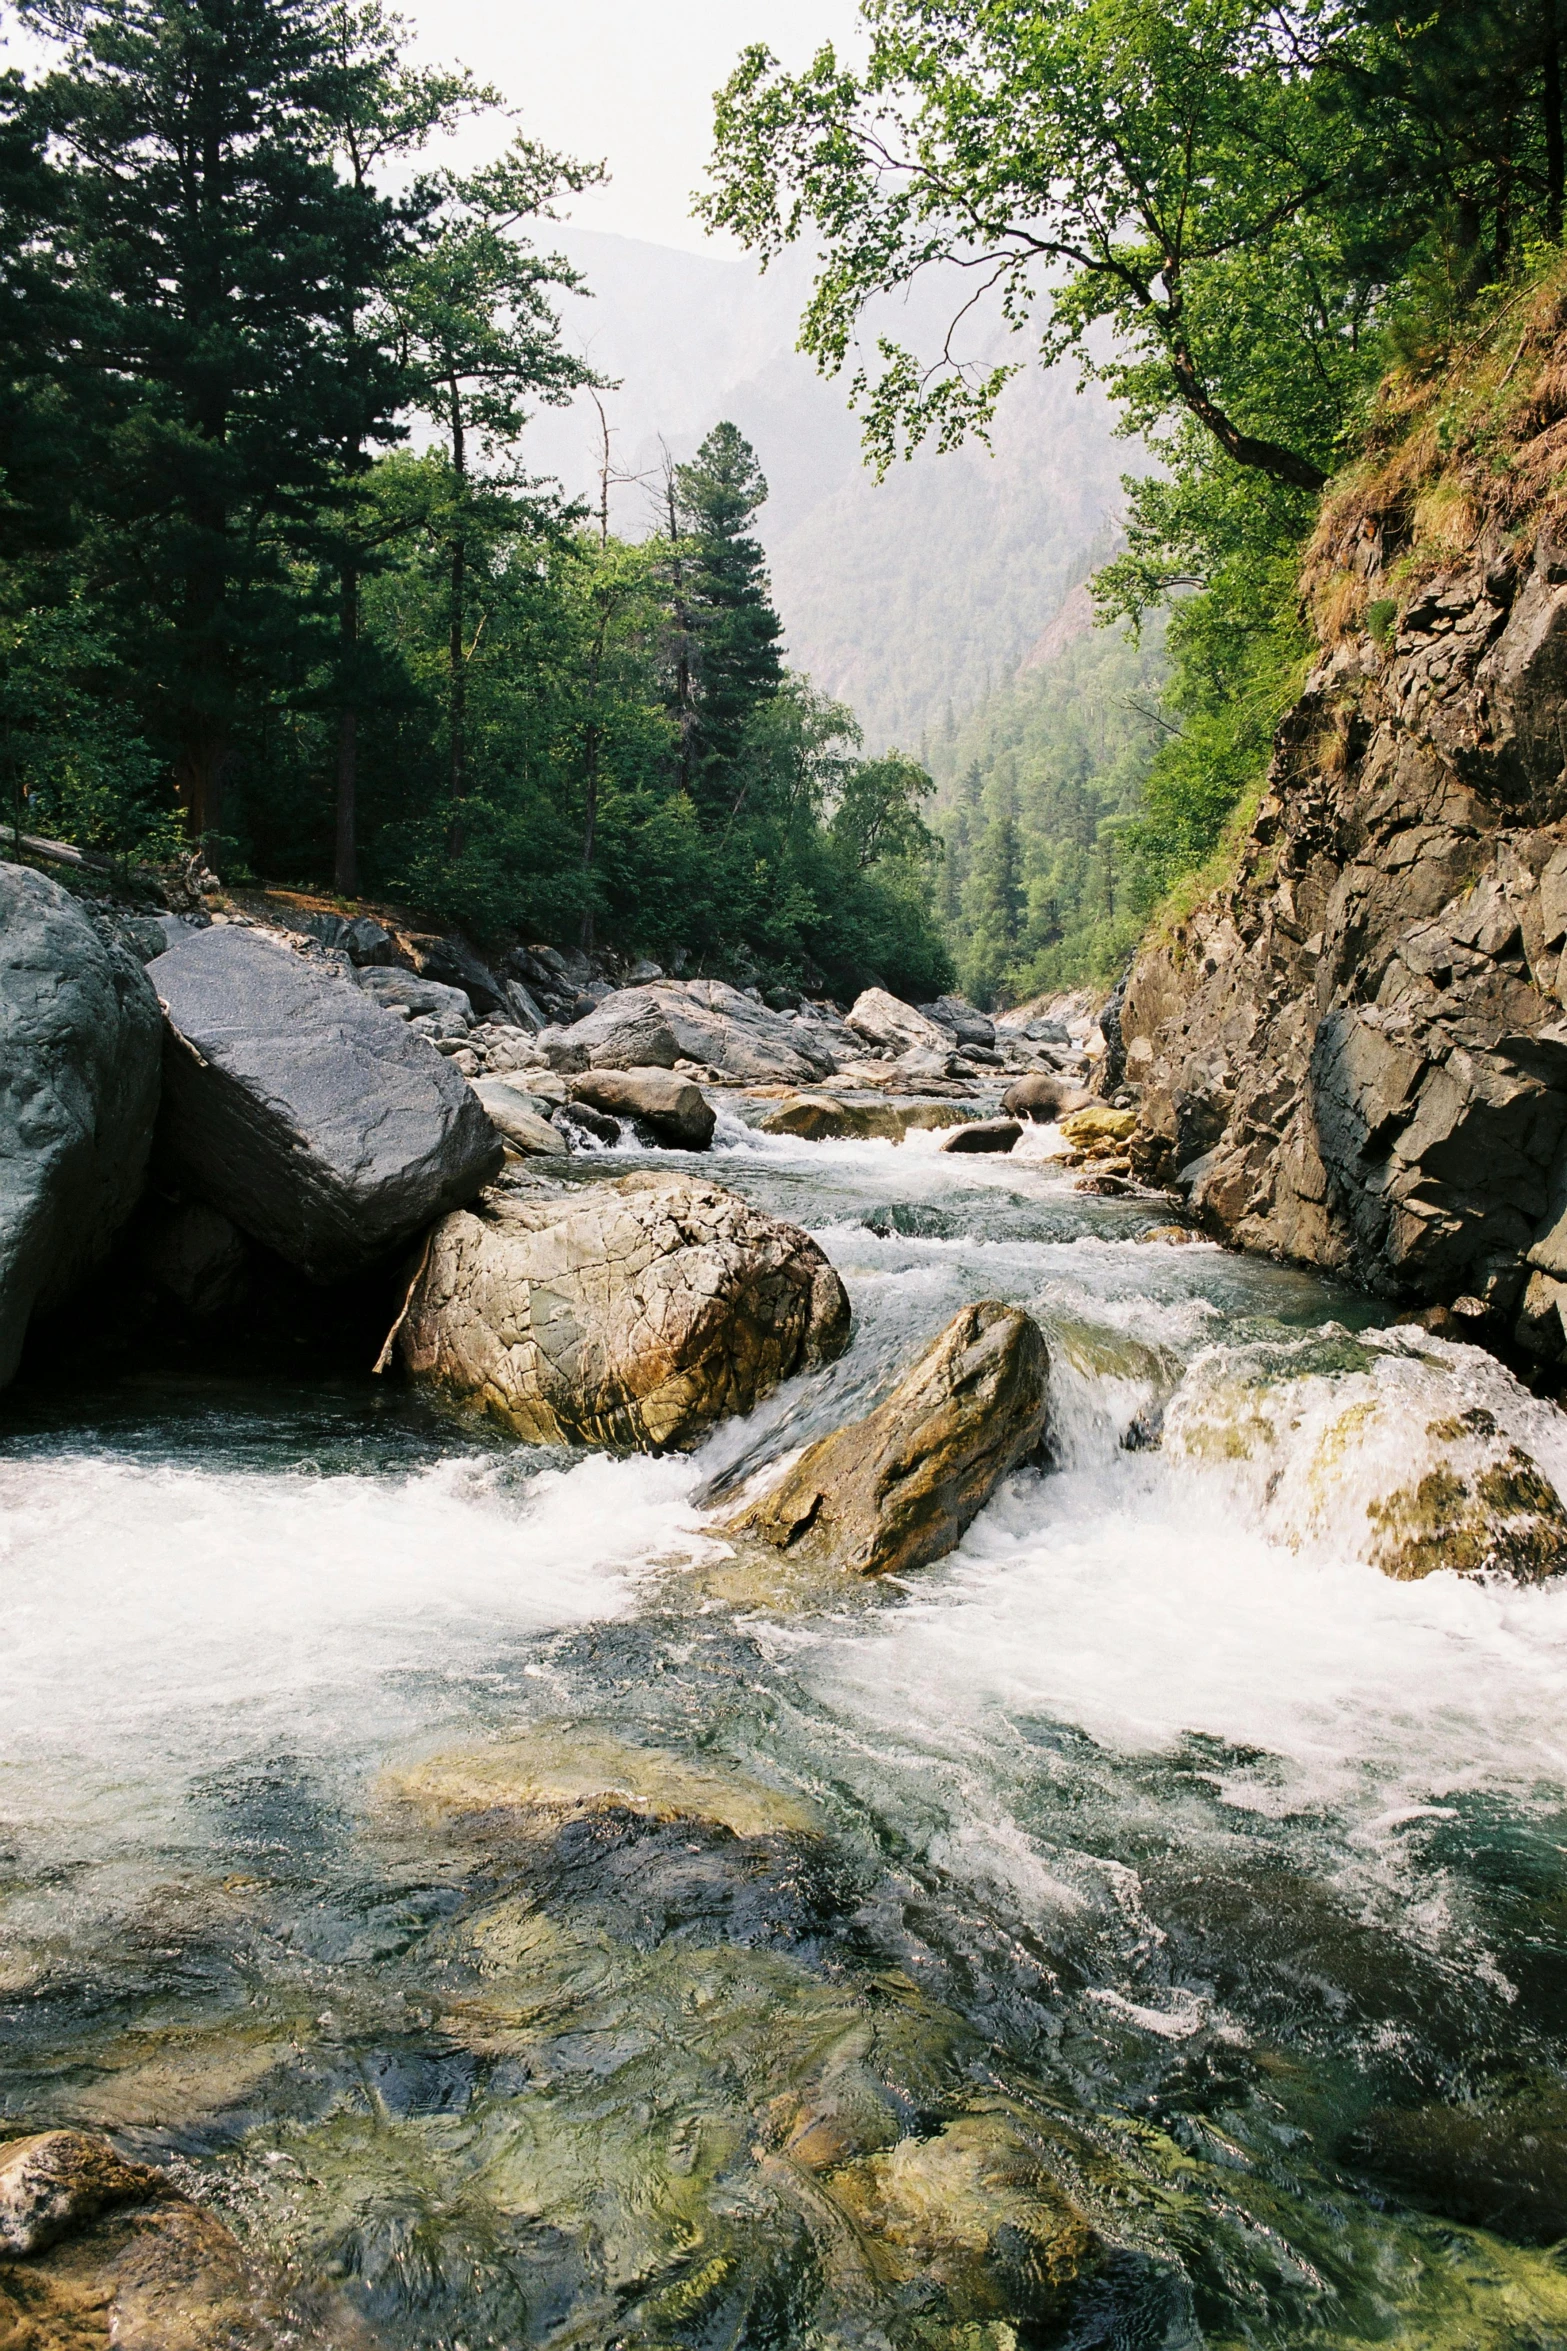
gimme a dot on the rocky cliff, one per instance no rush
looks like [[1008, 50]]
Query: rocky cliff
[[1355, 1054]]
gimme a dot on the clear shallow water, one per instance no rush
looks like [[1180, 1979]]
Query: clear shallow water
[[1155, 1821]]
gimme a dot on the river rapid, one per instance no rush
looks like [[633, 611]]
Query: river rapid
[[1155, 1822]]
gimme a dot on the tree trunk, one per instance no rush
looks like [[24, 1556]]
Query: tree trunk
[[345, 868], [457, 706], [1553, 121]]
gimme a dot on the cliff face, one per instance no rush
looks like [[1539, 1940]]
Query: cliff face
[[1355, 1055]]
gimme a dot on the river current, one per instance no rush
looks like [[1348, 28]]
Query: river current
[[1155, 1821]]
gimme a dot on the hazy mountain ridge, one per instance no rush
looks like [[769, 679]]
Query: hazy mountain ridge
[[901, 597]]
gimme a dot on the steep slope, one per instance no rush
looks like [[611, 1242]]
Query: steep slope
[[1356, 1054]]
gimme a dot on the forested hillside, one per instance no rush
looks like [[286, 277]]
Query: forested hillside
[[1040, 796], [279, 582], [1260, 230]]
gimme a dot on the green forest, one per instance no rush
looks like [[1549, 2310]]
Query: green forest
[[277, 585]]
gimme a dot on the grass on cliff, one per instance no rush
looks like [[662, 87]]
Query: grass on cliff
[[1465, 457]]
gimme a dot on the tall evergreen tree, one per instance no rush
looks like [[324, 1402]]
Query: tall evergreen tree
[[735, 632], [219, 261]]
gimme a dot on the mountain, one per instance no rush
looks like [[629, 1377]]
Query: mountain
[[905, 598]]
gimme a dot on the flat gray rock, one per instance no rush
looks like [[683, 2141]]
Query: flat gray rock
[[79, 1075], [312, 1118]]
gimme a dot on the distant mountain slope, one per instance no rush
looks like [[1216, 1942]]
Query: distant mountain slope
[[904, 597]]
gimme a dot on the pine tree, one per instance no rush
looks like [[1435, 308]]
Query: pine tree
[[218, 261], [736, 664]]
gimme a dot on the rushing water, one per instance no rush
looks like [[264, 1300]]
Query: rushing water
[[1154, 1827]]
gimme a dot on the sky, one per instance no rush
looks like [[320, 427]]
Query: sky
[[621, 81]]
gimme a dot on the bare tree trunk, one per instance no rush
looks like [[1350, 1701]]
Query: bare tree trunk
[[457, 706]]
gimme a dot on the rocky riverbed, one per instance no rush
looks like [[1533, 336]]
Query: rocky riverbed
[[538, 1892]]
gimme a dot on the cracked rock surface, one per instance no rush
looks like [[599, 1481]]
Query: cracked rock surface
[[633, 1314], [1356, 1054], [897, 1489], [310, 1116]]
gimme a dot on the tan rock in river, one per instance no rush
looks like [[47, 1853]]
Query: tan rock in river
[[634, 1313], [98, 2252], [897, 1489]]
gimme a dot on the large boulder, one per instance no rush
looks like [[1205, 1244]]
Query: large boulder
[[965, 1020], [982, 1134], [884, 1021], [677, 1113], [626, 1031], [634, 1313], [394, 987], [897, 1489], [817, 1118], [94, 2251], [312, 1119], [79, 1075], [1045, 1099], [740, 1036]]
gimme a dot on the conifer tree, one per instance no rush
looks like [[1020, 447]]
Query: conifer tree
[[737, 664]]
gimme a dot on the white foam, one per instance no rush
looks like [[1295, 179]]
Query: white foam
[[163, 1617]]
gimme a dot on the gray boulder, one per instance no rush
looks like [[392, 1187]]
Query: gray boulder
[[626, 1031], [968, 1024], [521, 1119], [677, 1112], [408, 991], [982, 1134], [1045, 1099], [79, 1077], [632, 1314], [895, 1027], [738, 1035], [311, 1118]]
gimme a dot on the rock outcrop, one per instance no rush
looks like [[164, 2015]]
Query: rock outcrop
[[895, 1027], [80, 1047], [309, 1116], [1355, 1055], [675, 1113], [704, 1022], [897, 1489], [633, 1313], [96, 2251]]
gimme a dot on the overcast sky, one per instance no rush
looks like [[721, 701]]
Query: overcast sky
[[624, 81]]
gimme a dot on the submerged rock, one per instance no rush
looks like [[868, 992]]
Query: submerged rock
[[95, 2251], [973, 2213], [678, 1113], [80, 1056], [634, 1313], [310, 1117], [897, 1489], [566, 1772]]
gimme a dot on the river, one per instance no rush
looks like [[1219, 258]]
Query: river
[[1154, 1822]]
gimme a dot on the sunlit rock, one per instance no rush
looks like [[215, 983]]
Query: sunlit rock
[[562, 1772], [895, 1027], [518, 1117], [676, 1112], [897, 1489], [95, 2251], [634, 1313], [1398, 1448]]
